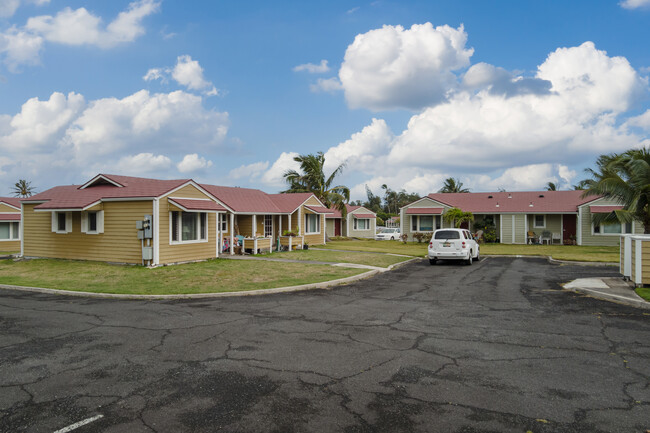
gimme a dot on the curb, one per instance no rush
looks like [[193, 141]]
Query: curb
[[631, 302], [288, 289], [552, 260]]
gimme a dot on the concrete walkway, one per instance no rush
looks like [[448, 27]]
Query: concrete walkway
[[316, 262], [610, 289]]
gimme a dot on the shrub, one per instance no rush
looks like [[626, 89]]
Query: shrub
[[404, 238]]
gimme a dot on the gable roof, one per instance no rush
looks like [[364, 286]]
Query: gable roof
[[335, 213], [74, 197], [243, 200], [516, 201], [288, 203], [11, 201]]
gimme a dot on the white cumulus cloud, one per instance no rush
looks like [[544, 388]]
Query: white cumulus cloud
[[192, 163], [393, 67], [9, 7], [312, 68], [186, 72], [273, 177], [635, 4], [249, 171], [142, 164]]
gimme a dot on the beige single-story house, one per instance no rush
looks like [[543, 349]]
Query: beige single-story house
[[359, 222], [10, 225], [565, 215], [125, 219]]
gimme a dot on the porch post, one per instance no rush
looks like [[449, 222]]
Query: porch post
[[232, 233], [254, 229]]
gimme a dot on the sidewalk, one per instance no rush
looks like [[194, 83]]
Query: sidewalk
[[609, 289]]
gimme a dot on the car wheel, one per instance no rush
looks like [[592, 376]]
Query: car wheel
[[468, 262], [433, 261], [392, 238]]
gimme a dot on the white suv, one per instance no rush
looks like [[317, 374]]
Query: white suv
[[453, 244]]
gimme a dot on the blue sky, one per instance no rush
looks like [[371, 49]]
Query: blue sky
[[503, 94]]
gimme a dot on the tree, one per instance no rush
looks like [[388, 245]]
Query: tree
[[312, 179], [624, 178], [551, 186], [457, 217], [23, 188], [453, 185], [374, 201], [582, 185]]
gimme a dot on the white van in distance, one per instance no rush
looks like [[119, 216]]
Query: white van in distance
[[453, 244]]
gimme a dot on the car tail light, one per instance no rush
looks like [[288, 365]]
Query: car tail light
[[463, 244], [430, 244]]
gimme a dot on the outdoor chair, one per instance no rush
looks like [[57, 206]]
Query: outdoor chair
[[545, 237], [556, 237], [532, 237]]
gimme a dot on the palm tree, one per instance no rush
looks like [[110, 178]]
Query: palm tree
[[551, 186], [312, 179], [453, 185], [624, 178], [457, 217], [23, 188], [582, 185]]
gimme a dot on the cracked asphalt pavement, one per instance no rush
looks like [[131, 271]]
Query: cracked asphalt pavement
[[495, 347]]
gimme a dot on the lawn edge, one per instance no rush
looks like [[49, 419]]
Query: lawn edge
[[552, 260], [287, 289]]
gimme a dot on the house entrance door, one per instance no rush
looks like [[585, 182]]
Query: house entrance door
[[568, 226], [337, 227]]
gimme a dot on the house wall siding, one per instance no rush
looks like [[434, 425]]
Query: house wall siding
[[370, 233], [645, 262], [119, 242], [9, 246], [8, 209], [405, 220], [597, 239], [184, 252]]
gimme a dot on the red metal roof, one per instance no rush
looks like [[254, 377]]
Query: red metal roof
[[604, 209], [319, 209], [9, 217], [335, 213], [71, 197], [11, 201], [363, 215], [243, 200], [288, 203], [424, 211], [516, 201], [197, 205]]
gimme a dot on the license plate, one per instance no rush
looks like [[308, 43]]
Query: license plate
[[446, 244]]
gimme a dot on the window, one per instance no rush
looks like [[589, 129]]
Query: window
[[224, 223], [15, 230], [539, 221], [361, 224], [312, 223], [62, 222], [426, 223], [414, 223], [612, 229], [447, 234], [191, 227], [5, 231], [268, 226], [92, 223]]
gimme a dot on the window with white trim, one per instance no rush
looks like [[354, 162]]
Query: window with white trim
[[188, 227], [611, 229], [425, 223], [268, 226], [539, 221], [62, 222], [361, 224], [9, 231], [414, 223], [312, 224], [224, 223], [92, 223]]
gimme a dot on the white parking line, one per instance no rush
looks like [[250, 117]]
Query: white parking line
[[79, 424]]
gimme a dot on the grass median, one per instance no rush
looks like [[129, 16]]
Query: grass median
[[644, 292], [372, 259], [559, 252], [212, 276]]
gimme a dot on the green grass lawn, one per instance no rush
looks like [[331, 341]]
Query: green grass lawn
[[213, 276], [380, 260], [644, 292], [559, 252], [8, 253]]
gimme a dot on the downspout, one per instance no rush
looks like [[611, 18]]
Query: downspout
[[22, 230], [156, 231]]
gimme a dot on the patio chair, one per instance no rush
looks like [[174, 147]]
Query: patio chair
[[532, 237], [546, 236], [556, 237]]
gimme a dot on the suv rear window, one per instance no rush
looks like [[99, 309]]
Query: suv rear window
[[447, 234]]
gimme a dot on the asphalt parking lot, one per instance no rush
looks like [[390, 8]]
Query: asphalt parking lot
[[495, 347]]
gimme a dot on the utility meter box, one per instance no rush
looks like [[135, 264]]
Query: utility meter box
[[147, 253], [145, 228]]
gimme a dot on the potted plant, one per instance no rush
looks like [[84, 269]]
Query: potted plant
[[305, 246]]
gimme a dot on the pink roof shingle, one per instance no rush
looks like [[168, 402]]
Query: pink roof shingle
[[288, 203], [516, 201], [11, 201], [199, 205], [335, 213], [71, 197], [244, 200], [424, 211], [604, 209], [10, 217]]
